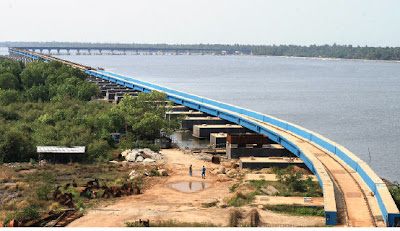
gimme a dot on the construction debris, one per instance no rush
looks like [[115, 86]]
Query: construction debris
[[216, 159], [141, 155]]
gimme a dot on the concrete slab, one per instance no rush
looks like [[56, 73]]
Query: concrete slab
[[204, 131], [189, 122], [268, 162], [266, 150], [172, 114], [297, 201], [272, 177]]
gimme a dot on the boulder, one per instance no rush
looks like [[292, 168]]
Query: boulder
[[270, 190], [132, 155], [139, 159], [148, 160], [221, 170], [222, 177], [126, 152]]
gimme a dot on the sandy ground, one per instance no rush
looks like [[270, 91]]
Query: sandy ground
[[163, 203]]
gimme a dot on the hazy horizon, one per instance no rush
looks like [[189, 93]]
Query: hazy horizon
[[193, 43], [267, 22]]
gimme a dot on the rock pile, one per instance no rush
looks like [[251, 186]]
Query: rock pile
[[141, 155]]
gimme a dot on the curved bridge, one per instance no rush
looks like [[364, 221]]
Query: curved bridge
[[353, 194]]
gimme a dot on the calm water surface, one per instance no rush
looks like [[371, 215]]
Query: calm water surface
[[354, 103]]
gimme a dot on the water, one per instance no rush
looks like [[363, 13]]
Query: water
[[354, 103], [185, 140], [189, 186]]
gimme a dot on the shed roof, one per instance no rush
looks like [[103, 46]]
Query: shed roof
[[61, 150]]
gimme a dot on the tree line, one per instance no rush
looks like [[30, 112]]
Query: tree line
[[51, 104], [320, 51]]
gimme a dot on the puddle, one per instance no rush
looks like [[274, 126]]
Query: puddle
[[188, 186]]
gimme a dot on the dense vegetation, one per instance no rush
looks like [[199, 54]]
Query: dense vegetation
[[49, 104], [329, 51]]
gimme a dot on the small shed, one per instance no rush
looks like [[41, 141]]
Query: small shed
[[60, 154]]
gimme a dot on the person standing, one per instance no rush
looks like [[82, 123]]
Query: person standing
[[190, 170], [203, 173], [137, 144]]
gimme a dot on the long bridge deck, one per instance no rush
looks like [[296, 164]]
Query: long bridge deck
[[353, 194], [89, 49]]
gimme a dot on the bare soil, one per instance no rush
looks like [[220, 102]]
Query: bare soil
[[160, 203]]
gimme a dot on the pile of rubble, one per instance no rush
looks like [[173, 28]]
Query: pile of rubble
[[141, 155]]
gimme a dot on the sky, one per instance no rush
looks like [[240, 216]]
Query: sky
[[258, 22]]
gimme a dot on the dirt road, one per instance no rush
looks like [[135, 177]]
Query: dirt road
[[165, 203]]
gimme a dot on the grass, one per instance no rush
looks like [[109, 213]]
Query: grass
[[171, 223], [296, 210], [36, 188], [241, 199], [209, 205], [234, 187]]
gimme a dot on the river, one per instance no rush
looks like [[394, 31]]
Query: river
[[354, 103]]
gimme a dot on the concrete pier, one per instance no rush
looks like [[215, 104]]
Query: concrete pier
[[267, 150], [191, 113], [204, 131], [268, 162], [218, 139], [180, 108], [189, 122]]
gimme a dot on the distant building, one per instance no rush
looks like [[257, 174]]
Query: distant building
[[59, 154]]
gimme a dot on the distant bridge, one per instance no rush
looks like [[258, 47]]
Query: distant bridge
[[133, 50], [353, 194]]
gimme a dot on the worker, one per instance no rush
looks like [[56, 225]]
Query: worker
[[203, 173], [190, 170]]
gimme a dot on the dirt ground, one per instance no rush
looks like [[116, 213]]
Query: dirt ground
[[159, 202]]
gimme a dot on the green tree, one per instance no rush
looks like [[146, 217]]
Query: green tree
[[9, 81], [145, 115], [36, 93], [34, 74], [16, 146], [10, 96]]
